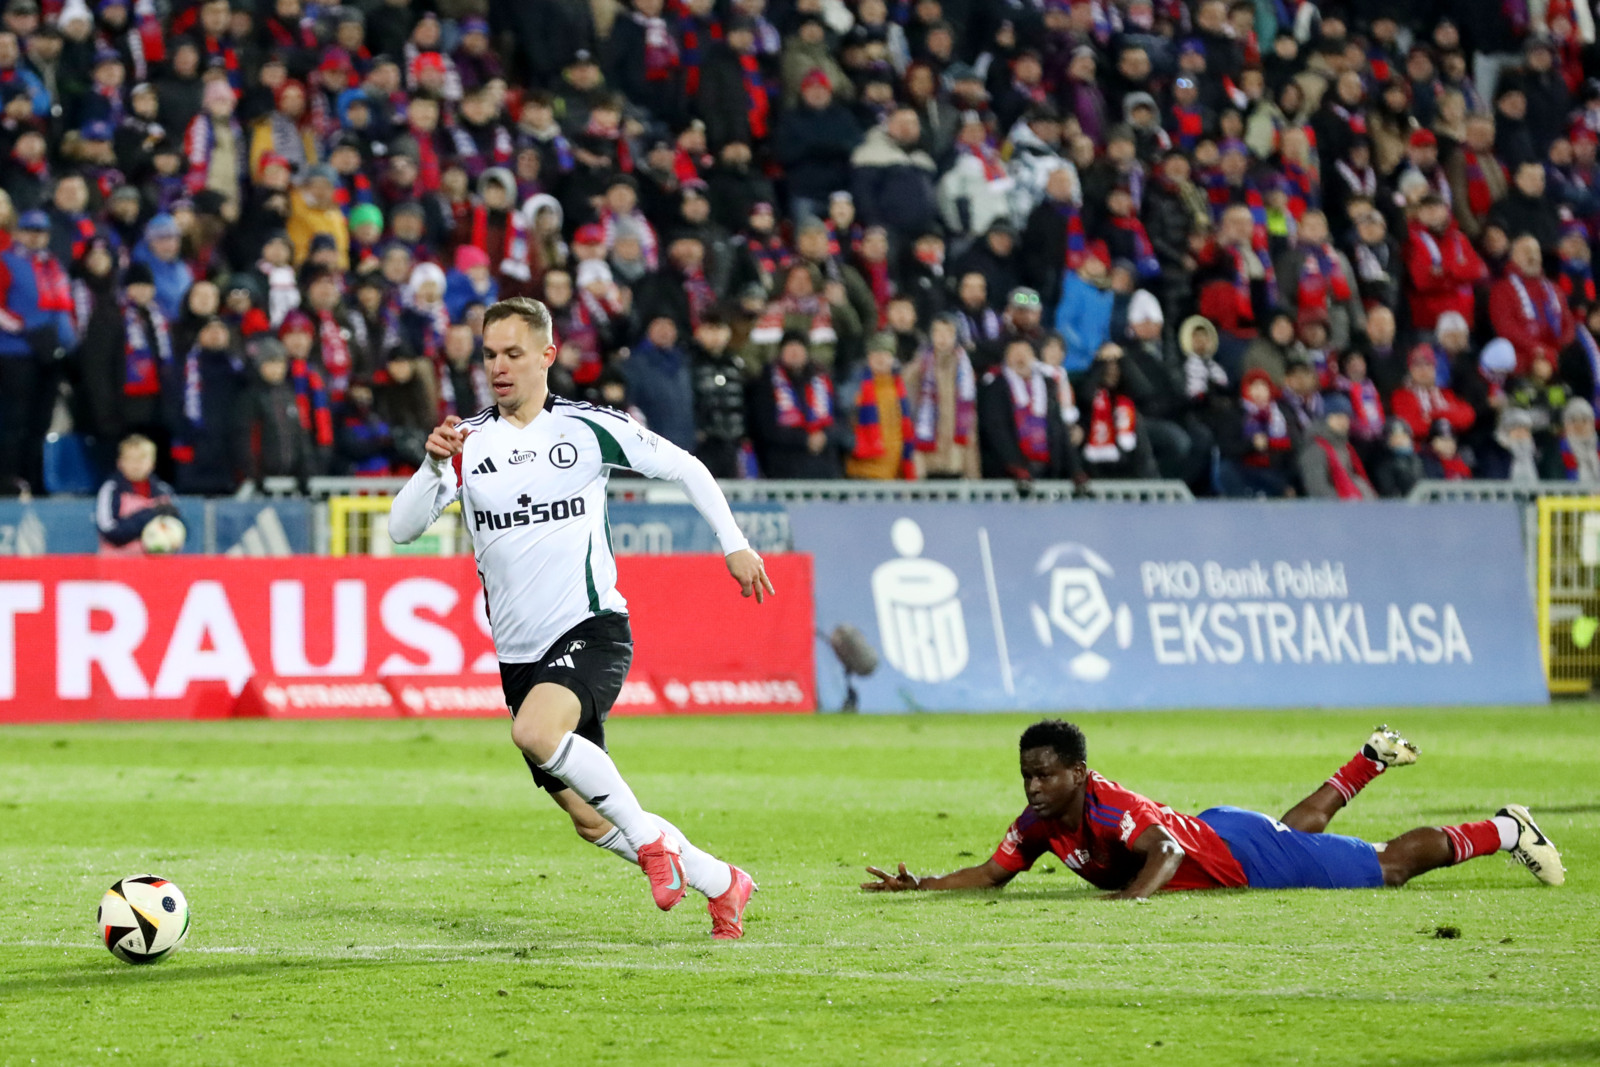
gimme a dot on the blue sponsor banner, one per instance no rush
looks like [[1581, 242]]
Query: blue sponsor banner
[[1067, 606], [641, 529], [65, 526]]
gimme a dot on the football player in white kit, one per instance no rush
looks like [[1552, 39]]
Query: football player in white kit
[[530, 473]]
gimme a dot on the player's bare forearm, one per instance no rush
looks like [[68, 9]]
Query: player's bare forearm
[[987, 875], [1162, 858]]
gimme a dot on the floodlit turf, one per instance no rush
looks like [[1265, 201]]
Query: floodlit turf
[[394, 892]]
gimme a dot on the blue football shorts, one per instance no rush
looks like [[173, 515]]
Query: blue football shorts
[[1275, 856]]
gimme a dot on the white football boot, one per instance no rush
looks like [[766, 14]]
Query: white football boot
[[1387, 747], [1534, 850]]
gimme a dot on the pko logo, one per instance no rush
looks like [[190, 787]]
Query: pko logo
[[1078, 607]]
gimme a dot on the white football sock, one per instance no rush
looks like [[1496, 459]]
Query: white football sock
[[585, 767], [1510, 830], [704, 872], [614, 843]]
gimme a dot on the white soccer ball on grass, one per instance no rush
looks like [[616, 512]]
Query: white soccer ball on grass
[[143, 918]]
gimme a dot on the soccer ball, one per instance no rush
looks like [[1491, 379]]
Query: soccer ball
[[142, 918], [164, 534]]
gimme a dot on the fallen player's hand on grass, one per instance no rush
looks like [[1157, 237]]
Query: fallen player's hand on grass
[[751, 574], [892, 883]]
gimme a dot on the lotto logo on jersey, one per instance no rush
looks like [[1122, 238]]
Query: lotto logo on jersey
[[529, 514]]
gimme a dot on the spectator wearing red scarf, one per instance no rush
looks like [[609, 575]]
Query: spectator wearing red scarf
[[792, 415], [1421, 403], [1021, 433], [1258, 456], [35, 321], [1442, 266], [1528, 309], [1315, 277], [882, 419], [734, 99], [1329, 466], [1478, 180]]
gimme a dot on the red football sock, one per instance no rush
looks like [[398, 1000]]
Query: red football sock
[[1472, 839], [1354, 776]]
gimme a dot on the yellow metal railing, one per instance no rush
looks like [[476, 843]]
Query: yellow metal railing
[[1569, 592], [358, 526]]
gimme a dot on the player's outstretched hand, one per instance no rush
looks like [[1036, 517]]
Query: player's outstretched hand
[[891, 883], [751, 574], [445, 440]]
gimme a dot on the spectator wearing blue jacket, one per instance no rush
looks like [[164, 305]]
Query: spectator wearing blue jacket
[[35, 327], [1083, 315], [659, 383], [161, 250]]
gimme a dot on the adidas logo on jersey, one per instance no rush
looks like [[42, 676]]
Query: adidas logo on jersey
[[487, 467]]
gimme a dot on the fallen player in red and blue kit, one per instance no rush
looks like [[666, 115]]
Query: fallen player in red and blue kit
[[1132, 846]]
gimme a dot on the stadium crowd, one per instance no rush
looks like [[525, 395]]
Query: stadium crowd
[[1267, 247]]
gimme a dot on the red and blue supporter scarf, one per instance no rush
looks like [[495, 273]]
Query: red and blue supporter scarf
[[311, 402], [661, 58], [1077, 242], [1366, 424], [1188, 126], [54, 289], [1224, 195], [1322, 280], [112, 95], [759, 95], [214, 48], [1241, 281], [1304, 190], [144, 350], [1591, 352], [869, 421], [850, 242], [695, 34], [1577, 281], [83, 231], [817, 411], [1569, 460], [1479, 197], [1267, 419], [1144, 253], [769, 252], [353, 189], [966, 401], [1030, 410]]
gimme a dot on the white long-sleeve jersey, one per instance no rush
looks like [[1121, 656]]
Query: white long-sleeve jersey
[[534, 503]]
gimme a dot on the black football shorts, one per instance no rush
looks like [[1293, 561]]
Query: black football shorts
[[591, 659]]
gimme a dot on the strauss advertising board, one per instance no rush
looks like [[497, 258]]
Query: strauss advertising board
[[1061, 606], [85, 637]]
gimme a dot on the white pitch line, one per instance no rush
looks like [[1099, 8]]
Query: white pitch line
[[1030, 981]]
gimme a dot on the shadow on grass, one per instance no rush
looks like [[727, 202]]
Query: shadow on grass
[[111, 976], [1548, 1052]]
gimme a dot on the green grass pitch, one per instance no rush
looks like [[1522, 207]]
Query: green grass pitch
[[395, 892]]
